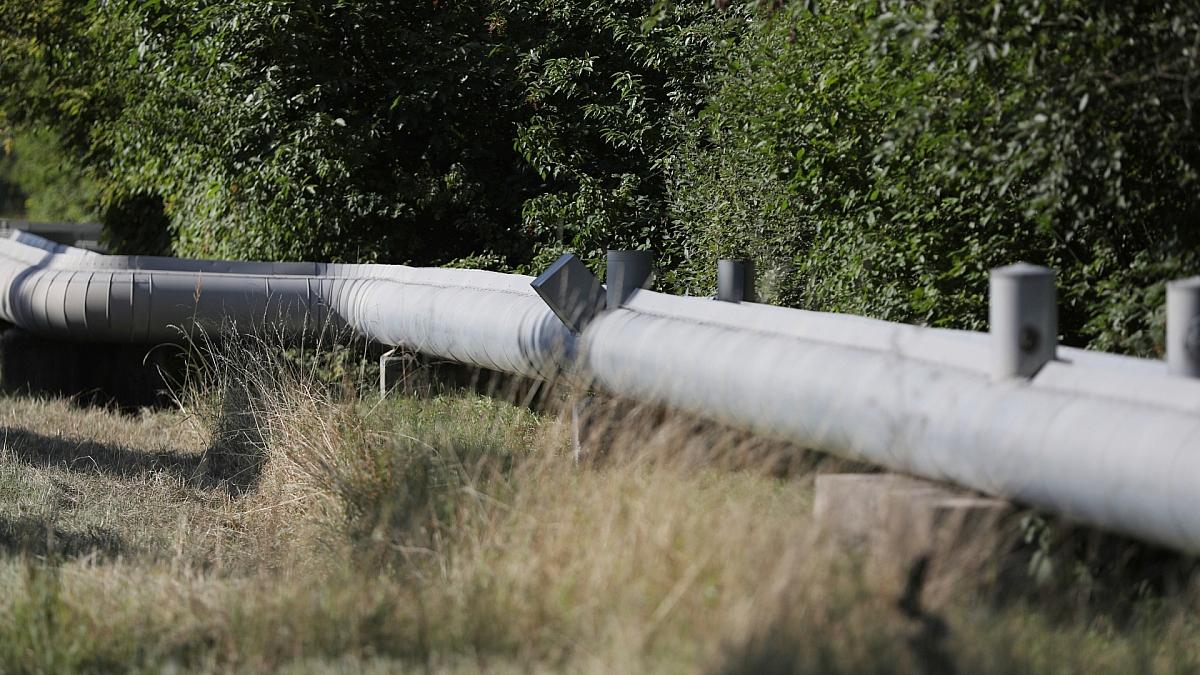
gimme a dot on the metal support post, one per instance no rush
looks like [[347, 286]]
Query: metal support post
[[396, 369], [580, 419], [1023, 317]]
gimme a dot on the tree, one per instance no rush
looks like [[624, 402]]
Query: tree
[[880, 159]]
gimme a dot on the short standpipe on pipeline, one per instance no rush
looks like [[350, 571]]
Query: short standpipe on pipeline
[[1183, 327], [735, 281], [1023, 320], [628, 271], [577, 298]]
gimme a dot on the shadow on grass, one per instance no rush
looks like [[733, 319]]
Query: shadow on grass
[[785, 644], [27, 535], [120, 377], [92, 457]]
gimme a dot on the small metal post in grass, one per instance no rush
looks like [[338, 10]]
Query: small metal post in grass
[[396, 369], [735, 281], [1183, 327], [627, 272], [579, 413], [1023, 318]]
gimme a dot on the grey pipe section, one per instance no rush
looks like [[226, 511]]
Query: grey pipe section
[[1087, 440], [1109, 440], [483, 318]]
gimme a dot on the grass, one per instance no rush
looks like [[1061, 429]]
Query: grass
[[271, 525]]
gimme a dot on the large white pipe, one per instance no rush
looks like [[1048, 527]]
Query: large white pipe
[[487, 319], [1102, 447], [1109, 440]]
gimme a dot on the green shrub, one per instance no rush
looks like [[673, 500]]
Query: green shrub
[[323, 130], [42, 182], [356, 131], [880, 158], [612, 86], [874, 158]]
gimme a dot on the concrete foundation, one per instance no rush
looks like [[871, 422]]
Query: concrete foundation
[[905, 518]]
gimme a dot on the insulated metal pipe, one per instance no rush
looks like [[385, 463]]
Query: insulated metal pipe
[[482, 318], [1109, 440], [1084, 453]]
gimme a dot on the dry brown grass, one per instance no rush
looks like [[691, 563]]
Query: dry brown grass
[[456, 533]]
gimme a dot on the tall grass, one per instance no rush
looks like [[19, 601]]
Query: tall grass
[[324, 530]]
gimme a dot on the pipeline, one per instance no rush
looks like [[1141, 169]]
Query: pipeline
[[475, 317], [1110, 441]]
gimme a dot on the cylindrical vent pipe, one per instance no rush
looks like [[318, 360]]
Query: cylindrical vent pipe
[[627, 272], [1023, 319], [1183, 327], [735, 281]]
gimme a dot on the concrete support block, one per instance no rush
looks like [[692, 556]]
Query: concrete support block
[[578, 414], [589, 422], [599, 423], [902, 518]]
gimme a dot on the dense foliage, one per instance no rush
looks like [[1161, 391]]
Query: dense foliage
[[875, 158], [880, 158], [347, 130], [613, 87], [39, 182], [299, 129]]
